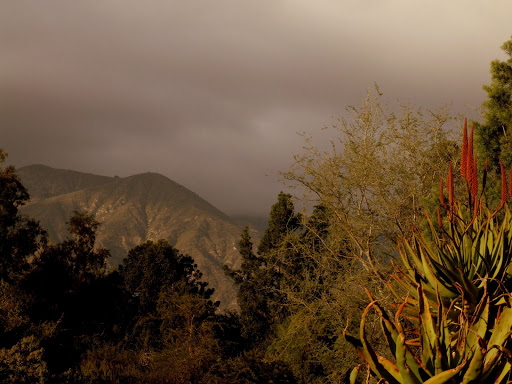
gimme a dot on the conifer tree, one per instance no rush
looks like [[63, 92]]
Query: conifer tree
[[254, 310], [282, 221], [493, 138], [494, 135]]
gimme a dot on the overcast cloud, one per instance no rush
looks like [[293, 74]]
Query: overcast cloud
[[212, 93]]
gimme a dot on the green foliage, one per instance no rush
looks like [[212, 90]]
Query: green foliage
[[23, 363], [255, 315], [13, 308], [88, 260], [260, 279], [470, 259], [493, 136], [376, 177], [282, 221], [110, 363], [153, 266], [310, 343]]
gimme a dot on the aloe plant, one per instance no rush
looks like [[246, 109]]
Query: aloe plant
[[467, 260], [466, 350], [473, 249], [457, 286]]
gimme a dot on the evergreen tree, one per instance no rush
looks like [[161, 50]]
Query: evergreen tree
[[282, 260], [493, 138], [282, 221], [255, 315], [260, 278]]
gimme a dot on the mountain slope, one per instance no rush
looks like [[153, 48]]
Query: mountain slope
[[135, 209], [43, 182]]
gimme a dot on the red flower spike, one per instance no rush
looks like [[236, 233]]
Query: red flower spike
[[439, 221], [503, 187], [441, 195], [464, 150], [474, 180], [469, 164]]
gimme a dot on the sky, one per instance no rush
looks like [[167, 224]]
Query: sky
[[213, 94]]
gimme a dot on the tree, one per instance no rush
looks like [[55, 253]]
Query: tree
[[23, 363], [252, 295], [494, 135], [21, 356], [72, 295], [375, 179], [322, 292], [282, 221], [153, 266], [493, 138], [367, 188], [171, 338], [88, 260], [67, 269], [20, 237], [260, 277]]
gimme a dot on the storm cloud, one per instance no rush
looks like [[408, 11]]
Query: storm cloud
[[212, 93]]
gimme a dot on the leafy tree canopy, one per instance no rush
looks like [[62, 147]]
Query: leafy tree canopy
[[153, 266]]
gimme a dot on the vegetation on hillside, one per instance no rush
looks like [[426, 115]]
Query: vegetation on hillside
[[442, 298]]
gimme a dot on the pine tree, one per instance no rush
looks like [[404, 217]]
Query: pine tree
[[254, 309], [494, 137], [282, 221], [260, 277]]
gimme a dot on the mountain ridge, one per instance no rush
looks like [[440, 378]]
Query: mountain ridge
[[133, 209]]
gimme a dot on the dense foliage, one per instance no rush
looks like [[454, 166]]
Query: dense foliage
[[65, 318]]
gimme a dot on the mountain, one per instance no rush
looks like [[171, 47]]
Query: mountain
[[134, 209]]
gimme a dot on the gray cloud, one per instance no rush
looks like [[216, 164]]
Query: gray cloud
[[211, 94]]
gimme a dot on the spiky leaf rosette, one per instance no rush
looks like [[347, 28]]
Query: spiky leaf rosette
[[461, 261], [475, 353], [457, 283]]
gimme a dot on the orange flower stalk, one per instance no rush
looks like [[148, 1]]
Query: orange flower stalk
[[464, 150], [469, 164]]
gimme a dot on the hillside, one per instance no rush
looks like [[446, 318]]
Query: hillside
[[134, 209]]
